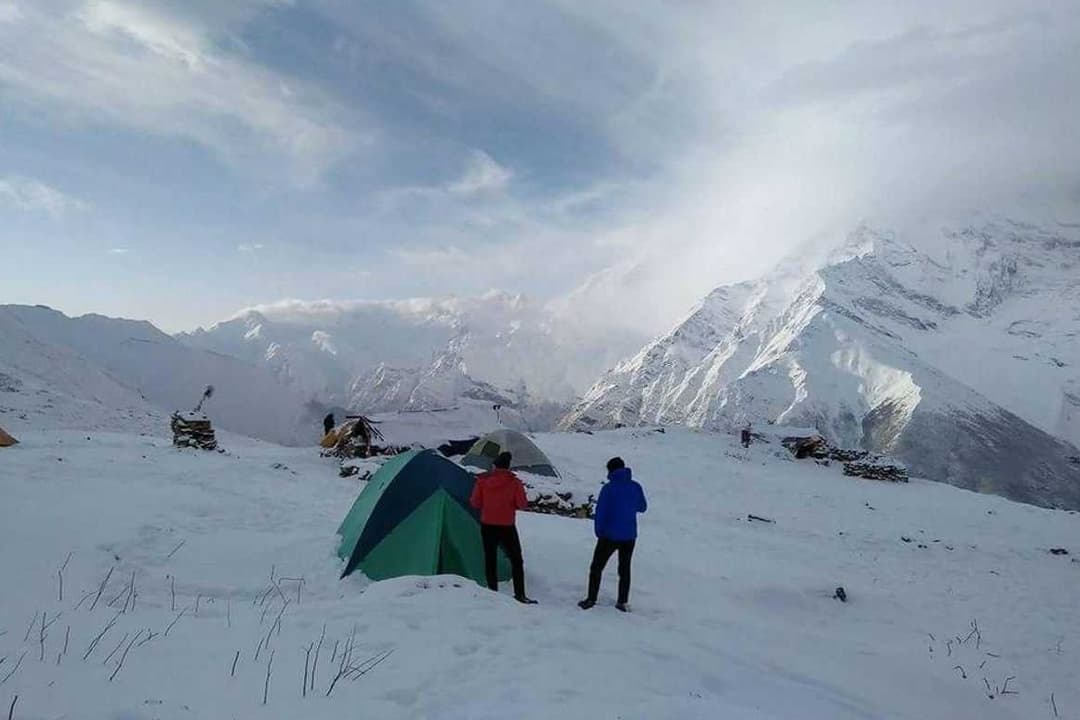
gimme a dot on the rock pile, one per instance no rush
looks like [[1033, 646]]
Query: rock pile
[[559, 503], [857, 463], [876, 468], [193, 429]]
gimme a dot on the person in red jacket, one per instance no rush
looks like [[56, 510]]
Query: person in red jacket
[[498, 495]]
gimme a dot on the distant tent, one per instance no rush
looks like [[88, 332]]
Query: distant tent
[[527, 457], [414, 518], [6, 440]]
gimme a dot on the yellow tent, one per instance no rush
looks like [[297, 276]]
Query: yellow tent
[[330, 439], [6, 440]]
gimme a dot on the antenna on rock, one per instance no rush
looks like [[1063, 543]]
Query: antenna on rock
[[207, 394]]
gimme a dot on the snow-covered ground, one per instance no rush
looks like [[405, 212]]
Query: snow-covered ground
[[731, 618]]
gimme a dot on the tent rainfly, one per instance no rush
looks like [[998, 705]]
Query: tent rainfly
[[526, 456], [6, 440], [413, 518]]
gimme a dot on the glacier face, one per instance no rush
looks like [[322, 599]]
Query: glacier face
[[957, 351]]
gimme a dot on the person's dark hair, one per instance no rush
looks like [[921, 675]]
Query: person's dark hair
[[615, 463], [503, 460]]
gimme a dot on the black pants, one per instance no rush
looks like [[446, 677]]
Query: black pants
[[604, 550], [506, 537]]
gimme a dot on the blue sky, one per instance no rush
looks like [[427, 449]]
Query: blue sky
[[179, 161]]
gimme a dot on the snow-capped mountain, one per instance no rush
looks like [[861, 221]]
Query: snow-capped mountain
[[956, 351], [417, 354], [94, 372]]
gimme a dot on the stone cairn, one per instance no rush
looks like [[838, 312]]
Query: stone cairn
[[194, 429]]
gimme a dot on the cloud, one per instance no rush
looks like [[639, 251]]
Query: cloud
[[482, 174], [9, 11], [625, 158], [119, 251], [250, 247], [141, 66], [28, 194]]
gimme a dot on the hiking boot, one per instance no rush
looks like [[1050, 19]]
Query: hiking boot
[[622, 607], [525, 600], [586, 604]]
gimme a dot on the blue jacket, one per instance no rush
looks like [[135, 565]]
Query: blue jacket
[[621, 499]]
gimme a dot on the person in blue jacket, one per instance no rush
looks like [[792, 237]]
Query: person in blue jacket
[[620, 501]]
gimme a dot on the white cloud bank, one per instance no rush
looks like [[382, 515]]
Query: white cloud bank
[[138, 65], [28, 194]]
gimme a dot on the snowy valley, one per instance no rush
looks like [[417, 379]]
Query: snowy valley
[[156, 583], [956, 608]]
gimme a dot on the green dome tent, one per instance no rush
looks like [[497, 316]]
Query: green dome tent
[[414, 518], [527, 457]]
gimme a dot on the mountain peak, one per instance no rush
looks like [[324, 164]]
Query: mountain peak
[[864, 348]]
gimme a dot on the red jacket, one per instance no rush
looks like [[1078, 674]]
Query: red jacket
[[498, 495]]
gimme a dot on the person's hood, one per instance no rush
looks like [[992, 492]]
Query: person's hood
[[620, 474]]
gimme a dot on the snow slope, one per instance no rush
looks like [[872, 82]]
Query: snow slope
[[99, 372], [957, 351], [372, 356], [730, 618]]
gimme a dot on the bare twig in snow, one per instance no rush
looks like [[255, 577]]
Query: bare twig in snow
[[11, 710], [973, 634], [1053, 704], [60, 577], [346, 653], [299, 585], [101, 588], [1004, 689], [315, 664], [333, 655], [41, 638], [307, 667], [83, 599], [172, 593], [198, 599], [120, 664], [266, 684], [67, 638], [236, 659], [370, 663], [175, 549], [131, 594], [14, 669], [989, 690], [277, 622], [30, 629], [261, 599], [118, 646], [228, 612], [175, 620], [149, 636], [97, 638]]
